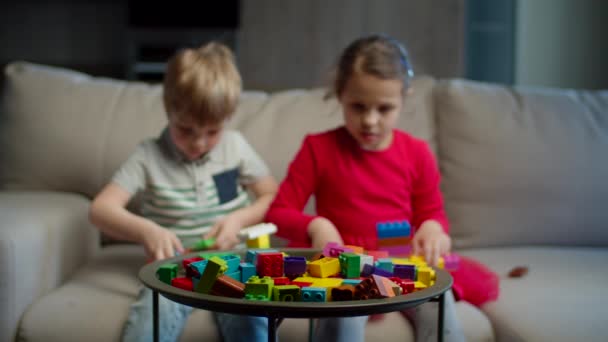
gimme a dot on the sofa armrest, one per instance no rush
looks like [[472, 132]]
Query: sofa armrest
[[44, 238]]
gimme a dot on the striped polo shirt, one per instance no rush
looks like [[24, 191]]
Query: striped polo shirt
[[187, 197]]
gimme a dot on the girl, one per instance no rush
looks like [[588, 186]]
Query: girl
[[367, 172]]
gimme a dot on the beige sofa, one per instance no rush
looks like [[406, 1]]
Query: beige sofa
[[524, 181]]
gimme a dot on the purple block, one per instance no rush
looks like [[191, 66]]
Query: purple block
[[405, 271], [367, 270], [397, 250], [294, 266], [382, 272]]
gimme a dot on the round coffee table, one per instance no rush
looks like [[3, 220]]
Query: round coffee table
[[277, 311]]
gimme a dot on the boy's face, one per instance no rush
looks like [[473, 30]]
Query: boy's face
[[371, 107], [194, 140]]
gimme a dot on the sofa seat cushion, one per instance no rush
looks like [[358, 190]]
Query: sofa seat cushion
[[561, 298], [94, 304]]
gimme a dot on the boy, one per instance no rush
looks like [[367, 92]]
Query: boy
[[194, 177]]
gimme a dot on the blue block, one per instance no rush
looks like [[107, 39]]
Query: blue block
[[247, 271], [352, 282], [405, 271], [232, 261], [314, 294], [393, 229], [235, 275], [198, 267], [385, 264]]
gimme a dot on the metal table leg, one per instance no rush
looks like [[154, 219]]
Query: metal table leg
[[155, 315], [273, 326], [441, 317]]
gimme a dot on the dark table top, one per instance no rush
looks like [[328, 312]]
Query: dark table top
[[147, 275]]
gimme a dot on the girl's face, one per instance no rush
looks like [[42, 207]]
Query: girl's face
[[192, 139], [371, 107]]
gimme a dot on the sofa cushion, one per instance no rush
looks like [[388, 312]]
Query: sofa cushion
[[561, 298], [523, 166], [67, 131]]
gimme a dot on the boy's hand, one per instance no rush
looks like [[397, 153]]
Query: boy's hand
[[321, 231], [431, 242], [226, 232], [161, 243]]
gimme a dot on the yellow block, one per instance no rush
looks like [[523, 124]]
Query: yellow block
[[262, 241]]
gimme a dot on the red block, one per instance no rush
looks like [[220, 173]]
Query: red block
[[183, 283], [187, 262], [281, 281], [270, 264]]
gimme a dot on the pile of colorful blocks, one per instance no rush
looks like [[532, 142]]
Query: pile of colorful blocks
[[339, 273]]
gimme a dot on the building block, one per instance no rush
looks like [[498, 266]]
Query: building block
[[197, 268], [286, 293], [232, 261], [262, 229], [324, 268], [397, 250], [294, 266], [352, 282], [247, 271], [215, 267], [183, 283], [281, 281], [385, 288], [378, 254], [393, 229], [382, 272], [257, 286], [314, 294], [235, 275], [333, 249], [201, 245], [209, 255], [301, 284], [407, 286], [185, 265], [418, 285], [426, 275], [342, 293], [451, 262], [367, 270], [350, 265], [366, 289], [227, 287], [385, 264], [262, 241], [355, 249], [394, 241], [365, 259], [270, 264], [252, 254], [405, 271], [166, 272]]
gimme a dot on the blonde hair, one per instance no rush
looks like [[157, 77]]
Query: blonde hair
[[377, 55], [203, 83]]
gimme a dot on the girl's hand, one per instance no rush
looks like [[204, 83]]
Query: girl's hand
[[226, 232], [321, 231], [160, 243], [431, 242]]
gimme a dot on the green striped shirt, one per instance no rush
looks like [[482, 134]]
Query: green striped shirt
[[189, 196]]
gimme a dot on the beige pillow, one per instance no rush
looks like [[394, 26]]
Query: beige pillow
[[523, 166]]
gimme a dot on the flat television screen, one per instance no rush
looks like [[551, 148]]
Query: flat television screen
[[181, 14]]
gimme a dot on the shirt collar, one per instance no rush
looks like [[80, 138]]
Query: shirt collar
[[167, 144]]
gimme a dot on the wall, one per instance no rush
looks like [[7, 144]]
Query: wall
[[281, 43], [562, 43]]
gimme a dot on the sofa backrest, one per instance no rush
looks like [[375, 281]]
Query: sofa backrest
[[62, 130], [522, 165]]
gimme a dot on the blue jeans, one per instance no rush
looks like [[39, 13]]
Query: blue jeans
[[172, 319], [342, 329]]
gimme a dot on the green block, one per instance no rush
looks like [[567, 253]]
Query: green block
[[350, 265], [166, 272], [257, 286], [202, 244], [286, 293], [215, 268]]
